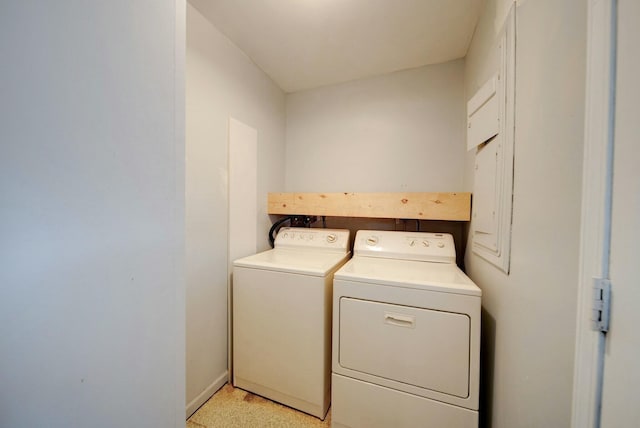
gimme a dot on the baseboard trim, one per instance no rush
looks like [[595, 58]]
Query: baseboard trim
[[206, 394]]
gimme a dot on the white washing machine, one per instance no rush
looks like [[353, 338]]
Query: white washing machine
[[406, 335], [282, 318]]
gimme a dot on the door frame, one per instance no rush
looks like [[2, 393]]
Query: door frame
[[596, 207]]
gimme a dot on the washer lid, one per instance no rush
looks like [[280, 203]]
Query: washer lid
[[442, 277], [306, 262]]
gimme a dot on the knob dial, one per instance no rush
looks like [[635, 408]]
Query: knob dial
[[412, 243], [440, 244], [331, 238], [425, 243]]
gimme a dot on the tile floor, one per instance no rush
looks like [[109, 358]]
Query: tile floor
[[235, 408]]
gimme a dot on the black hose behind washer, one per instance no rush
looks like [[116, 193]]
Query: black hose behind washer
[[275, 227]]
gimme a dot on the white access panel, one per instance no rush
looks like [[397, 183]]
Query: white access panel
[[486, 195], [483, 113], [243, 207], [243, 189], [420, 347], [493, 182]]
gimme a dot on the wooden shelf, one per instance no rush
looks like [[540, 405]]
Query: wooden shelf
[[423, 206]]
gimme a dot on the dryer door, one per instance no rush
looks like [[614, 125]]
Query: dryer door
[[416, 346]]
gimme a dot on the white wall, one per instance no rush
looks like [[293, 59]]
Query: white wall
[[403, 131], [529, 316], [221, 82], [91, 219]]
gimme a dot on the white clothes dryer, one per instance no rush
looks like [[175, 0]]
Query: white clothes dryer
[[282, 318], [406, 335]]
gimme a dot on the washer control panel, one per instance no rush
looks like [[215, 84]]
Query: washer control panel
[[302, 237], [426, 246]]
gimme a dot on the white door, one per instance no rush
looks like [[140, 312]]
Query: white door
[[620, 405]]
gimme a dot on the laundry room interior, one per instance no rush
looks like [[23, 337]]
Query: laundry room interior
[[400, 131], [347, 213]]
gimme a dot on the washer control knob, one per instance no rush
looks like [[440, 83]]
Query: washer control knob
[[412, 243], [440, 244], [331, 238], [425, 243], [286, 235], [372, 240]]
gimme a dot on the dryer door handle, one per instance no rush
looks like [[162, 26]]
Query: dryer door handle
[[400, 320]]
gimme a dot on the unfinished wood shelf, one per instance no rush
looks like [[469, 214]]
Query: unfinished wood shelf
[[422, 206]]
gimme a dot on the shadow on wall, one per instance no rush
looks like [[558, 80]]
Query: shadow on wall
[[487, 361]]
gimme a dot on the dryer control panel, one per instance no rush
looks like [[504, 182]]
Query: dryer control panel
[[313, 238], [424, 246]]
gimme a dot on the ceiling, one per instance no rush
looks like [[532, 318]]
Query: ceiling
[[302, 44]]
